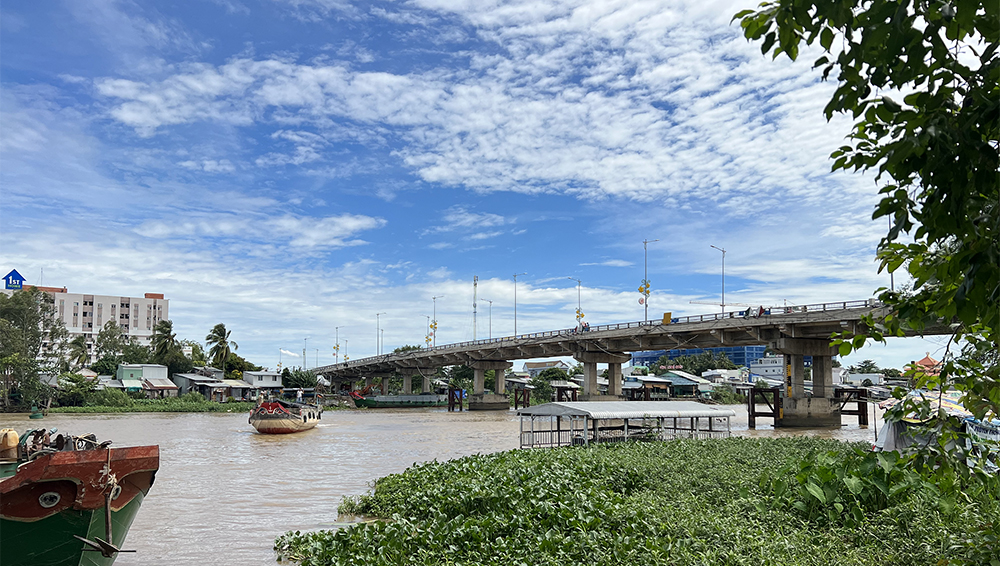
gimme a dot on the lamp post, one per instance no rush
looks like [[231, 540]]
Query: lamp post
[[336, 345], [346, 357], [723, 277], [515, 301], [427, 335], [644, 286], [579, 310], [434, 321], [491, 317], [305, 344], [317, 358], [378, 343]]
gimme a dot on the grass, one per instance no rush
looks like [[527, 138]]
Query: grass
[[185, 404], [682, 502]]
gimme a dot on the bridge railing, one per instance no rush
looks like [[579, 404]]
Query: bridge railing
[[750, 312]]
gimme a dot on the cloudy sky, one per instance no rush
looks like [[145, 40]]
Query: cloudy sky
[[288, 167]]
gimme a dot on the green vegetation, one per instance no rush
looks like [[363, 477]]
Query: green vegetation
[[694, 364], [117, 401], [681, 502], [27, 320], [727, 395]]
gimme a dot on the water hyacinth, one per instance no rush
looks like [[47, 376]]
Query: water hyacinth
[[679, 502]]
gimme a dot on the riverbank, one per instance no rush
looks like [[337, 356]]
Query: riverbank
[[680, 502], [157, 406]]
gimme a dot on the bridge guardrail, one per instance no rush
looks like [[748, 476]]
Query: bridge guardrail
[[763, 311]]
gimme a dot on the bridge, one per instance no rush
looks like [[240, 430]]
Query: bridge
[[795, 331]]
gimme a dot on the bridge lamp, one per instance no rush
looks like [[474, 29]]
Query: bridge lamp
[[644, 287], [723, 276]]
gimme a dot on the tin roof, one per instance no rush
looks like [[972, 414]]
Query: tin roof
[[627, 410], [160, 383]]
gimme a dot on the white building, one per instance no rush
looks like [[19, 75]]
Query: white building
[[87, 314], [769, 366]]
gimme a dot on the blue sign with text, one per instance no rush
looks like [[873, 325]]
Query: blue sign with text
[[13, 280]]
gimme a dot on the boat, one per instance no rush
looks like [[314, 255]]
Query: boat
[[278, 416], [398, 401], [69, 499]]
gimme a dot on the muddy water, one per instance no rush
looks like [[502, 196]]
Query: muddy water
[[224, 492]]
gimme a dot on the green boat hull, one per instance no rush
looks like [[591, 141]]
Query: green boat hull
[[401, 401], [50, 541]]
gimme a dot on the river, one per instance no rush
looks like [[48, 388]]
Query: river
[[224, 492]]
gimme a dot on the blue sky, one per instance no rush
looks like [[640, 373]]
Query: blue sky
[[288, 167]]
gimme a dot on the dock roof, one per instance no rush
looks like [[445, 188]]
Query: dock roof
[[627, 410]]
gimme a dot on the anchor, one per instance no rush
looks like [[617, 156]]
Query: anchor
[[105, 547]]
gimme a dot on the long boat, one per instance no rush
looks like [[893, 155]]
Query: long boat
[[284, 417], [69, 499], [398, 401]]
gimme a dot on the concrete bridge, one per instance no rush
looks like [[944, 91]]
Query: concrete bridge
[[794, 331]]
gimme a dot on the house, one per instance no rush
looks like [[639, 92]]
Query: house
[[208, 371], [535, 368], [264, 381], [722, 375], [238, 390], [857, 379], [927, 365], [210, 387], [141, 371], [158, 388]]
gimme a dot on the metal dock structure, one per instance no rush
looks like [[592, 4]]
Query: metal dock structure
[[579, 424]]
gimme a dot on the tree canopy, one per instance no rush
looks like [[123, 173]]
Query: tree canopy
[[694, 363], [27, 321], [220, 346], [922, 82]]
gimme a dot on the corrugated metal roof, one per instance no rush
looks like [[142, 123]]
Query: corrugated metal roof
[[627, 410], [160, 383]]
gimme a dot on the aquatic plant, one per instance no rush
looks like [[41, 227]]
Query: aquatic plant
[[680, 502]]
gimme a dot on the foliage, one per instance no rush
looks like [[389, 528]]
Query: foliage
[[107, 365], [553, 374], [406, 348], [74, 389], [116, 401], [135, 353], [725, 394], [27, 320], [696, 364], [935, 151], [460, 377], [220, 346], [198, 357], [683, 502], [79, 354], [110, 340], [236, 366], [164, 339], [298, 378], [865, 366]]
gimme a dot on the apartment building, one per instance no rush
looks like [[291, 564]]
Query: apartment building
[[87, 314]]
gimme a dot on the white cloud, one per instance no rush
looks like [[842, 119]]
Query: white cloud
[[612, 263], [209, 165], [296, 231]]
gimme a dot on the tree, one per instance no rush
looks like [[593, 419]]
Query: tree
[[27, 321], [197, 352], [866, 366], [298, 378], [164, 339], [220, 344], [406, 348], [936, 153], [79, 355], [110, 340], [695, 364], [75, 388]]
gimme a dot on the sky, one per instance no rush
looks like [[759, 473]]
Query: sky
[[293, 168]]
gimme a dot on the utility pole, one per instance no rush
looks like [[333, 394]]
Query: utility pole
[[427, 335], [336, 345], [346, 357], [515, 301], [475, 293], [305, 344], [434, 321], [378, 342], [644, 286], [579, 310], [723, 277], [491, 317]]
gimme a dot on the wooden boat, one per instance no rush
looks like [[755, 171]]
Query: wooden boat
[[284, 417], [398, 401], [69, 499]]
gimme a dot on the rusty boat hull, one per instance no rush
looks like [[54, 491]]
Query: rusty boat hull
[[59, 507]]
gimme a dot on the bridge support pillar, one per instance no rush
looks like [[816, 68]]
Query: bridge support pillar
[[820, 409], [480, 400], [428, 388], [407, 384], [590, 360]]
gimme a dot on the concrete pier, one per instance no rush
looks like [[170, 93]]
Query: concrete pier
[[590, 359], [479, 400], [816, 410]]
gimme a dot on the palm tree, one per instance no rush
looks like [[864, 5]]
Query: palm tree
[[164, 339], [220, 344], [78, 354]]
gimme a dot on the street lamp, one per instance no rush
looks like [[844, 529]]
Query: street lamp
[[427, 335], [346, 357], [515, 301], [491, 317], [434, 321], [336, 345], [305, 344], [644, 286], [378, 343], [723, 277], [579, 310]]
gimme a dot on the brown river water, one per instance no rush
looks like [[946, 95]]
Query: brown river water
[[224, 492]]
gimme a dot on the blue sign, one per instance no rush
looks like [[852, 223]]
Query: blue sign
[[13, 280]]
